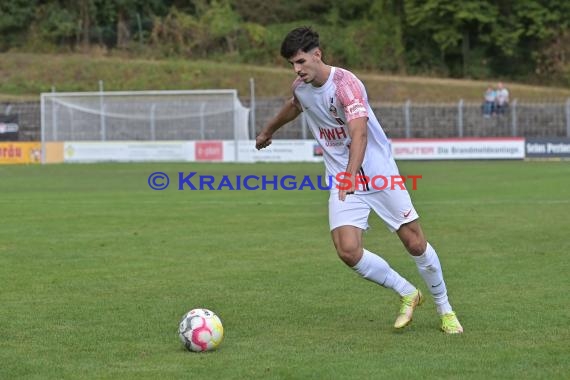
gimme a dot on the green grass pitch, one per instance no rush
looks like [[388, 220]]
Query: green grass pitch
[[96, 270]]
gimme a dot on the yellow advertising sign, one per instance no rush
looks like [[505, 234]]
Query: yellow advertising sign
[[20, 152]]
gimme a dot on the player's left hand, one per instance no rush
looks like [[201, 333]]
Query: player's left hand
[[343, 193], [347, 190]]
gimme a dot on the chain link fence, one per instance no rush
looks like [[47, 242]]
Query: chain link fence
[[399, 120], [27, 116], [443, 120]]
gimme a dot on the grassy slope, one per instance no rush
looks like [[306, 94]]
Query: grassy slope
[[24, 76], [97, 269]]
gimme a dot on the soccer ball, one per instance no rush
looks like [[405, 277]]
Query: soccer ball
[[201, 330]]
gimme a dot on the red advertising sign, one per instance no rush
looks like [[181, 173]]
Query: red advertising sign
[[209, 151]]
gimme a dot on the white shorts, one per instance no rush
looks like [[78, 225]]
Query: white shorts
[[394, 207]]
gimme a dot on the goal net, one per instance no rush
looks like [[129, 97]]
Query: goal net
[[143, 116]]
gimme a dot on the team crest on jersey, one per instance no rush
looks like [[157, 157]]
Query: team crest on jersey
[[334, 113], [332, 110]]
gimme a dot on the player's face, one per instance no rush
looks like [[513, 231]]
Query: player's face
[[307, 66]]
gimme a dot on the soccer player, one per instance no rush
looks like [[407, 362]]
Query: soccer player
[[356, 149]]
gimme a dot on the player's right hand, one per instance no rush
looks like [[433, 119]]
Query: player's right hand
[[262, 141]]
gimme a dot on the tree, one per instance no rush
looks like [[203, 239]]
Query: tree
[[223, 23], [544, 29], [456, 27], [15, 19]]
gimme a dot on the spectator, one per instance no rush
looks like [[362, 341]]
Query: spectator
[[502, 99], [490, 98]]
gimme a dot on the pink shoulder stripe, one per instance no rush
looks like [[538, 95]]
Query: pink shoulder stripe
[[351, 94]]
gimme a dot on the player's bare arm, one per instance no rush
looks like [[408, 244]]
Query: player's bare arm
[[288, 112], [358, 131]]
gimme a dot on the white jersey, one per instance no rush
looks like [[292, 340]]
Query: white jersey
[[328, 110], [502, 96]]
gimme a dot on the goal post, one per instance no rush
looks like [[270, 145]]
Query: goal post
[[143, 116]]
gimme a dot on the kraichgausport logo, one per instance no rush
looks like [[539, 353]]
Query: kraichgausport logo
[[341, 181]]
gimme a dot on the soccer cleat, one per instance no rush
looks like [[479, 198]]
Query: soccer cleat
[[409, 304], [450, 324]]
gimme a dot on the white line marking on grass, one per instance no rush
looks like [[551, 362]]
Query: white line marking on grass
[[197, 202], [496, 202]]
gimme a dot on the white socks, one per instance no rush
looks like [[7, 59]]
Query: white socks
[[373, 268], [430, 270]]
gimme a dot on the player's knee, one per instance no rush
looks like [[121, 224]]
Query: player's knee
[[413, 238], [416, 246], [349, 252]]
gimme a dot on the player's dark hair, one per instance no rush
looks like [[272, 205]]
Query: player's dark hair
[[303, 38]]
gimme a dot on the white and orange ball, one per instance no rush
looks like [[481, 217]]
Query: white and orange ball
[[201, 330]]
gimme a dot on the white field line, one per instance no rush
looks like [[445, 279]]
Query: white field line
[[235, 202]]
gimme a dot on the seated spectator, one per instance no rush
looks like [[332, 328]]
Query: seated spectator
[[489, 101], [502, 99]]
